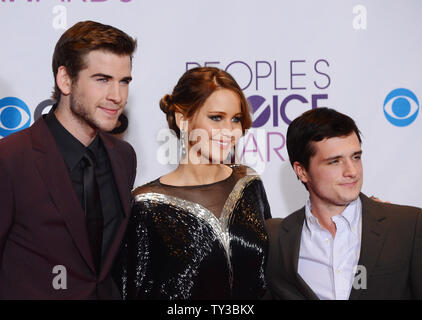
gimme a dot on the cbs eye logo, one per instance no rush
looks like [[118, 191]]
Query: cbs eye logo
[[14, 116], [401, 107]]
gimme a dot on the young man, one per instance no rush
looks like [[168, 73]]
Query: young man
[[341, 244], [65, 184]]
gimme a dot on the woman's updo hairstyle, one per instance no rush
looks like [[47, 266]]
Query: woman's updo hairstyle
[[194, 88]]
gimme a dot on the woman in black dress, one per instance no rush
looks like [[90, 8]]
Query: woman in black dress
[[198, 232]]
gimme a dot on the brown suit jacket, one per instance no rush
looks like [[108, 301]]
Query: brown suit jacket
[[42, 224], [391, 252]]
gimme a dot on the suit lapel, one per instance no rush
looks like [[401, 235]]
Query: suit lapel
[[291, 233], [374, 227], [123, 185], [54, 173]]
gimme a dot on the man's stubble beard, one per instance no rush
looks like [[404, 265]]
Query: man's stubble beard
[[81, 115]]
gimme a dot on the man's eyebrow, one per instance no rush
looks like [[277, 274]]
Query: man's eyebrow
[[332, 158], [127, 78], [101, 75], [339, 156]]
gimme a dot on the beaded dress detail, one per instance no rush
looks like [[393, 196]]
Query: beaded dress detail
[[197, 242]]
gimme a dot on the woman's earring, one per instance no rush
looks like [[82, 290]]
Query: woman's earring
[[233, 156], [183, 143]]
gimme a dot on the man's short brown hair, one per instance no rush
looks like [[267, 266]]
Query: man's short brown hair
[[83, 38]]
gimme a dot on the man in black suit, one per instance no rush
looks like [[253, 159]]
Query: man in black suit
[[65, 184], [341, 245]]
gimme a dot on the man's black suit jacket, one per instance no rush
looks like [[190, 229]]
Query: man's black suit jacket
[[391, 252], [43, 232]]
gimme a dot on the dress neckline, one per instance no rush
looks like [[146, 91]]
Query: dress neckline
[[198, 185]]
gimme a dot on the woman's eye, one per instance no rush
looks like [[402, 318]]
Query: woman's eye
[[237, 119], [215, 118]]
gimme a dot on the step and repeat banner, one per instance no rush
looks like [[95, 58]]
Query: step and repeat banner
[[362, 58]]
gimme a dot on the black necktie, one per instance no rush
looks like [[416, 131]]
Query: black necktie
[[93, 211]]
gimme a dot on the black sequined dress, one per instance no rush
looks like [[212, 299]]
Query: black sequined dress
[[197, 242]]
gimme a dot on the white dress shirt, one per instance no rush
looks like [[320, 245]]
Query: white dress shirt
[[328, 264]]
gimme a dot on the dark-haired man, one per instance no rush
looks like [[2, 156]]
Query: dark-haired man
[[65, 183], [341, 245]]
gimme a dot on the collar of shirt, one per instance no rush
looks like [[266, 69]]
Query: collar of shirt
[[71, 148], [351, 215]]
